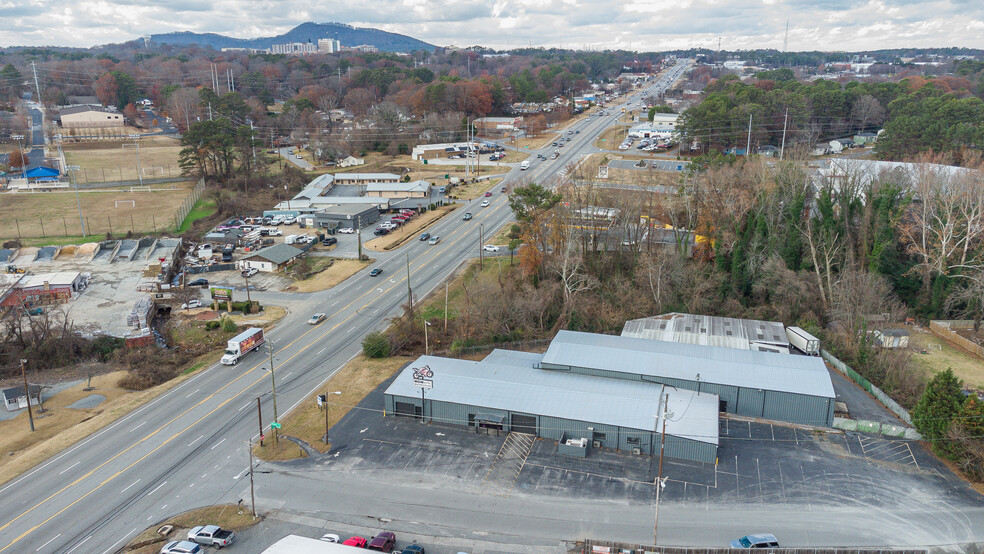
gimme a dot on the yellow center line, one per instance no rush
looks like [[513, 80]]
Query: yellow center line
[[206, 399]]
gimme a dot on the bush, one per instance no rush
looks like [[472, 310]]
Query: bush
[[228, 325], [937, 407], [148, 366], [376, 345], [212, 325]]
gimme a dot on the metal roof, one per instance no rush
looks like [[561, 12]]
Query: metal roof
[[508, 380], [414, 186], [278, 253], [725, 366], [708, 330], [366, 177]]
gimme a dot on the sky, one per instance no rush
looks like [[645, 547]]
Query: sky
[[641, 25]]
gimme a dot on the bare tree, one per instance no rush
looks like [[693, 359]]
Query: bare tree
[[867, 110]]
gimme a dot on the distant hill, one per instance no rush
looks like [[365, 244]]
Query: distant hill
[[346, 35]]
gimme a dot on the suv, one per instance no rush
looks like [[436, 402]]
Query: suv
[[467, 216], [383, 542], [425, 236], [328, 241]]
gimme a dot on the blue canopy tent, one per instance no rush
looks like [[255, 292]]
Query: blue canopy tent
[[41, 173]]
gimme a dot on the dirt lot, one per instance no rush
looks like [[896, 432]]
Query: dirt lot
[[56, 214], [116, 161], [339, 270], [409, 230], [940, 355], [357, 379]]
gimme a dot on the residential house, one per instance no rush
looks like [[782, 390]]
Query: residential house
[[864, 139], [273, 258], [892, 338], [351, 161], [15, 399]]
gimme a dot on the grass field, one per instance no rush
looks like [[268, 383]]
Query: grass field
[[307, 422], [339, 270], [409, 231], [56, 214], [117, 161], [941, 355], [203, 208]]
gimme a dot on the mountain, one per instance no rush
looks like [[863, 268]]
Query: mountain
[[346, 35]]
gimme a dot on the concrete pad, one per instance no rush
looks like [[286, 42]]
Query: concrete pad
[[88, 402]]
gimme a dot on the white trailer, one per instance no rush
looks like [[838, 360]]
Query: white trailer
[[803, 341]]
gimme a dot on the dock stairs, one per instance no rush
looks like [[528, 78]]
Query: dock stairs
[[507, 465]]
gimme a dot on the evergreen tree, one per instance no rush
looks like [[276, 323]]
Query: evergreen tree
[[937, 407]]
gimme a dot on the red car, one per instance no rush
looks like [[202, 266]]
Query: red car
[[358, 542], [488, 194], [383, 542]]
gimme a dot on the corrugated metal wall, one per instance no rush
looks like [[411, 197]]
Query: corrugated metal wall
[[750, 402], [688, 449], [798, 408], [728, 393]]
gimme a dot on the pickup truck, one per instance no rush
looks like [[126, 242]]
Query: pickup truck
[[211, 535]]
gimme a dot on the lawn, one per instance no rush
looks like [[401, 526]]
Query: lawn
[[611, 137], [203, 208], [56, 214], [941, 355], [471, 191], [335, 271], [307, 422], [117, 161], [226, 516]]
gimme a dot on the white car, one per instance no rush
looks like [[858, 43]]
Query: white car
[[181, 547], [192, 304], [485, 203], [330, 537], [434, 240], [249, 272], [490, 248], [289, 220], [347, 231], [317, 318]]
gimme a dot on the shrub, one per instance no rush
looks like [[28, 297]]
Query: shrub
[[228, 325], [376, 345], [211, 325], [937, 407]]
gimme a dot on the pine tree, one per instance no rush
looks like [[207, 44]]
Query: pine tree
[[937, 407]]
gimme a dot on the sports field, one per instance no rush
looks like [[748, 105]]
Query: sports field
[[116, 211], [156, 157]]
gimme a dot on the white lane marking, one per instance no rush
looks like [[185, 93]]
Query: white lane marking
[[216, 444], [157, 488], [111, 548], [138, 426], [244, 407], [192, 393], [288, 375], [164, 507], [80, 544], [241, 473], [130, 485], [350, 330], [322, 350], [47, 543], [196, 440], [68, 468]]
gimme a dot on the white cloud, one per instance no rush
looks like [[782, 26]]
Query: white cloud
[[635, 24]]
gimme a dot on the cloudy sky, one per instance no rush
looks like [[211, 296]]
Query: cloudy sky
[[629, 24]]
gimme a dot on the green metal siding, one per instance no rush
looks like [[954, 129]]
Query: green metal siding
[[798, 408]]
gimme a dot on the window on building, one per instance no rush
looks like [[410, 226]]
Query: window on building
[[632, 440], [599, 436]]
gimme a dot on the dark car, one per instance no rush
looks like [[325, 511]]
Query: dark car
[[467, 216], [425, 236], [413, 549], [198, 283], [376, 271], [383, 542], [328, 241], [503, 189], [756, 541]]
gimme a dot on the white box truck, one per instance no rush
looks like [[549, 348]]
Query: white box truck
[[803, 341], [242, 344], [524, 166]]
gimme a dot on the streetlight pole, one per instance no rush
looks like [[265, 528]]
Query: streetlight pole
[[426, 348], [660, 481], [337, 392], [252, 495], [27, 393]]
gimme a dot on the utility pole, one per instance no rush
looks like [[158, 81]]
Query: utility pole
[[37, 85], [337, 392], [426, 344], [748, 143], [259, 415], [481, 249], [75, 182], [409, 290], [445, 307], [248, 299], [785, 123], [660, 482], [273, 385], [252, 495], [27, 392]]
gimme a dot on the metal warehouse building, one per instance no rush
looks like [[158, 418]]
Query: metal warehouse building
[[749, 383], [506, 391], [744, 334]]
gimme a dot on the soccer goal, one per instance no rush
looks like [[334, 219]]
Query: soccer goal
[[153, 171], [138, 189], [125, 203]]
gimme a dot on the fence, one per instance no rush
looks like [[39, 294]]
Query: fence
[[591, 546], [944, 330], [136, 219], [868, 386], [147, 173]]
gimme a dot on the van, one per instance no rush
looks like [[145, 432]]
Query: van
[[524, 166], [290, 239]]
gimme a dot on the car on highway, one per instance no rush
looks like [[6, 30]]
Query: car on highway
[[357, 542], [317, 318], [503, 189], [191, 304], [298, 156], [762, 540], [487, 194], [490, 248], [467, 216], [383, 542], [376, 271], [485, 203], [347, 231], [250, 271], [181, 547], [554, 155], [434, 240], [198, 283], [425, 236]]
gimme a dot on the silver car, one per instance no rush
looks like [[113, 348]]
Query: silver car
[[181, 547]]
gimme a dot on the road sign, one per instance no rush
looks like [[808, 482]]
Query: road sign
[[423, 383], [275, 425], [321, 400]]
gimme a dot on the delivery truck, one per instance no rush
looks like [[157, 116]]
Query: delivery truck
[[524, 165], [242, 344], [803, 341]]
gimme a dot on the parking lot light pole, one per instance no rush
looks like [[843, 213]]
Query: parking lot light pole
[[426, 347], [660, 481], [328, 407]]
